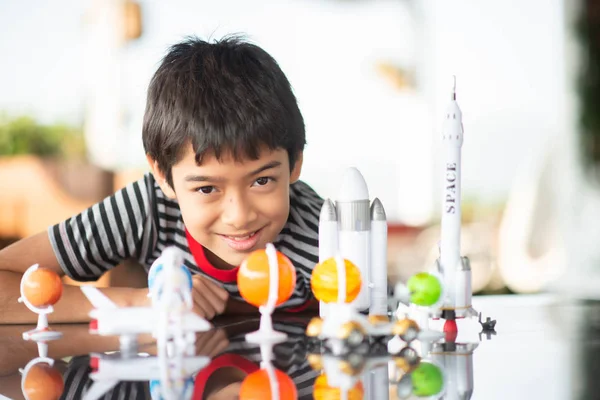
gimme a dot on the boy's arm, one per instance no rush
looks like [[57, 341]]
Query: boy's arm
[[73, 305]]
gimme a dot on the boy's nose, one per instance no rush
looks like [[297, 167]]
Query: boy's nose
[[238, 213]]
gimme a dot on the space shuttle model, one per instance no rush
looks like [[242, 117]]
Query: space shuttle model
[[356, 229], [454, 269]]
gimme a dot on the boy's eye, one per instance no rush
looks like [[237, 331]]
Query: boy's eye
[[262, 181], [206, 189]]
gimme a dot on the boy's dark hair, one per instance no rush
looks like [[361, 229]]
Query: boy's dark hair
[[229, 95]]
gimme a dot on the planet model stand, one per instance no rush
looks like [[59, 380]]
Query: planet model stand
[[40, 289], [266, 279]]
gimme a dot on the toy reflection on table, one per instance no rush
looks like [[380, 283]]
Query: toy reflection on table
[[456, 360], [425, 380], [107, 370], [169, 319], [488, 328], [375, 376], [266, 279], [268, 383], [40, 380]]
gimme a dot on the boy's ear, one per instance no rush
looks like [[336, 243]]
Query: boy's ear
[[160, 178], [295, 175]]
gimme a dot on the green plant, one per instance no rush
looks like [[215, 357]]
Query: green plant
[[24, 135]]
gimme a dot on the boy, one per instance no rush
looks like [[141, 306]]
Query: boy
[[224, 137]]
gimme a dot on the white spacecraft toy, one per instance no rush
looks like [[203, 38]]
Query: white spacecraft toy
[[169, 319], [453, 272], [456, 270], [170, 284], [356, 229]]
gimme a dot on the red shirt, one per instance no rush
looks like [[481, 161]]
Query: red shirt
[[221, 275]]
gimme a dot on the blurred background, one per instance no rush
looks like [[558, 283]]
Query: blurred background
[[372, 79]]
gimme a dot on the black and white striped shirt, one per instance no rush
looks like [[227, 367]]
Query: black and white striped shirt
[[139, 222]]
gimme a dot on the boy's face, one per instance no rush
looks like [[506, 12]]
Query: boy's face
[[232, 208]]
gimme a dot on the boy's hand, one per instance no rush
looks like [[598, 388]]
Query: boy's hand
[[209, 298]]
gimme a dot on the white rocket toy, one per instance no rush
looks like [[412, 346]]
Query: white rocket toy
[[454, 269], [356, 229]]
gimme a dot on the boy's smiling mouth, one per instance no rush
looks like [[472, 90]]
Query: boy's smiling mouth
[[242, 242]]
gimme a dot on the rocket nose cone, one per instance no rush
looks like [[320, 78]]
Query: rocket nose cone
[[377, 211], [328, 212], [353, 186]]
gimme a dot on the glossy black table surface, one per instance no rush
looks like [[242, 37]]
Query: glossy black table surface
[[544, 347]]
